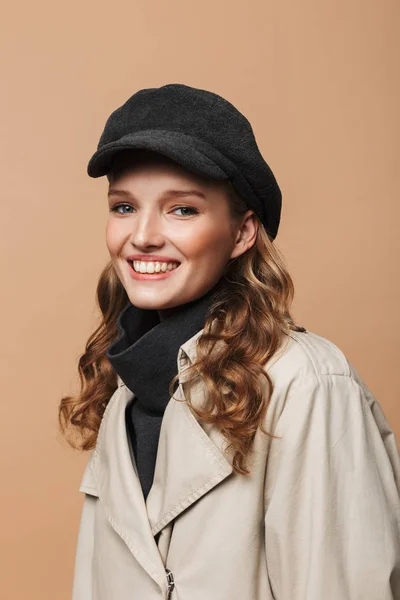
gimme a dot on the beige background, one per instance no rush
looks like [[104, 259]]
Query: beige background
[[319, 83]]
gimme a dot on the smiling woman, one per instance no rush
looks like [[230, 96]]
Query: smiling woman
[[200, 242], [234, 454]]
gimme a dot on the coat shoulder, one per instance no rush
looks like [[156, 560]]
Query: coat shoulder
[[307, 359], [320, 355], [305, 354]]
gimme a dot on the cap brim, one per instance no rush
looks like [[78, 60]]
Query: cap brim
[[190, 152]]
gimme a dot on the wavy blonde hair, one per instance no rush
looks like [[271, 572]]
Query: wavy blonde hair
[[246, 323]]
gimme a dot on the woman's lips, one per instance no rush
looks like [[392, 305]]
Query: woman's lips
[[161, 275]]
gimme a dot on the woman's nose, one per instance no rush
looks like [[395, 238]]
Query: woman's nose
[[147, 230]]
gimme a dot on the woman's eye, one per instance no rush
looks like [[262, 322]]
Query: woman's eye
[[192, 211], [117, 206], [189, 210]]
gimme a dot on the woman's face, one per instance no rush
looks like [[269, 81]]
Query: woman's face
[[161, 213]]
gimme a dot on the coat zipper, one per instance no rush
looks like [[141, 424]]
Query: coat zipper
[[170, 582]]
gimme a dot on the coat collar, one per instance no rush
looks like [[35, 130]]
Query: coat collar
[[191, 461]]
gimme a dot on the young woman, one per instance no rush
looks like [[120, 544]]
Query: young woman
[[234, 454]]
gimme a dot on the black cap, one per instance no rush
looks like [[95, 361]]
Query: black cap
[[201, 131]]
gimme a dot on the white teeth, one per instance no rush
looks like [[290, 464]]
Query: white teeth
[[141, 266]]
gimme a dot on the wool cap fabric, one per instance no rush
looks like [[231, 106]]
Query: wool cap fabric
[[202, 132]]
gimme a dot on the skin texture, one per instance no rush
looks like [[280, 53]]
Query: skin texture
[[197, 232]]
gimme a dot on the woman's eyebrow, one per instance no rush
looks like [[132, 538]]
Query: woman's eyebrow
[[167, 193]]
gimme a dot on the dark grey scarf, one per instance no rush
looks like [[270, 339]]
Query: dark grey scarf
[[145, 357]]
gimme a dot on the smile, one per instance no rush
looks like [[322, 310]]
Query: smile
[[151, 271], [140, 266]]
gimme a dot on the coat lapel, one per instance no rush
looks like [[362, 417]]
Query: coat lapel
[[190, 462], [190, 457], [119, 488]]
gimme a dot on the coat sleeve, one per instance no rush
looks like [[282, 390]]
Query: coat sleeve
[[332, 522], [82, 582]]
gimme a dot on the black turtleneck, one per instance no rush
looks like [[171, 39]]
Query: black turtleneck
[[145, 357]]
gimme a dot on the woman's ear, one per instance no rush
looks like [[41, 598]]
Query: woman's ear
[[246, 234]]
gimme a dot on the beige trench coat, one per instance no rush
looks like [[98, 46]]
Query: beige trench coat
[[318, 519]]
